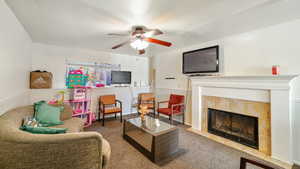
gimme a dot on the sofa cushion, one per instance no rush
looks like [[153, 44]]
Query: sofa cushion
[[48, 115], [43, 130], [73, 125]]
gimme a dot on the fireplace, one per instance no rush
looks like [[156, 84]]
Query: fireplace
[[236, 127]]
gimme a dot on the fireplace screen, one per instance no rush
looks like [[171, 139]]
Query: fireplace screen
[[239, 128]]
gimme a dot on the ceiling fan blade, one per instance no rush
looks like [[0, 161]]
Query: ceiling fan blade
[[121, 44], [117, 34], [153, 32], [142, 51], [160, 42]]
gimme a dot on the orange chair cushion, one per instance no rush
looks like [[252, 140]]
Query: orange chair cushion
[[108, 99], [167, 111], [112, 110], [149, 105], [146, 97]]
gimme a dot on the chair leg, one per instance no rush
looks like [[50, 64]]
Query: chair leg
[[115, 115], [154, 112], [121, 117], [99, 114], [183, 118], [103, 119]]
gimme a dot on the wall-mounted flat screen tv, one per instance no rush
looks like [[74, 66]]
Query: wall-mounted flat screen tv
[[121, 77], [204, 60]]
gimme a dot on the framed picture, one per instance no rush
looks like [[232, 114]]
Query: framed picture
[[250, 164]]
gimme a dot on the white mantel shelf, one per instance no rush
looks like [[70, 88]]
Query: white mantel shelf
[[281, 92], [249, 82]]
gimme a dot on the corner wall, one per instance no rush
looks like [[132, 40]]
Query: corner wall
[[250, 53], [15, 61]]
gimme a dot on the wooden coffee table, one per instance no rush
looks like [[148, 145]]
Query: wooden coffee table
[[156, 139]]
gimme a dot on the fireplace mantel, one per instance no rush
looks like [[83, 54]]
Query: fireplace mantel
[[249, 82], [280, 91]]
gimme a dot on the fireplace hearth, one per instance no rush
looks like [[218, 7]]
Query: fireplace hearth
[[236, 127]]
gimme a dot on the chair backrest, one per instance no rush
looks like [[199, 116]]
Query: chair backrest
[[176, 99], [108, 99], [146, 97]]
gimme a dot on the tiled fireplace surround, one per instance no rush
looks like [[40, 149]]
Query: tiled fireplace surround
[[260, 110], [269, 98]]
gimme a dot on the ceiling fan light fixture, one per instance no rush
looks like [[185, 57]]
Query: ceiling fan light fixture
[[139, 44]]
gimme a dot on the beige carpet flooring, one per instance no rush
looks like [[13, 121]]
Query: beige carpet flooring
[[198, 152]]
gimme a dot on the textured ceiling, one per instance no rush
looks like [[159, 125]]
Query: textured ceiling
[[86, 23]]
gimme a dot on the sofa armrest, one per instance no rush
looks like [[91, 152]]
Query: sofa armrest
[[71, 150], [106, 151]]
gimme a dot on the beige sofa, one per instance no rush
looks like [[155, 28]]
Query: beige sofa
[[73, 150]]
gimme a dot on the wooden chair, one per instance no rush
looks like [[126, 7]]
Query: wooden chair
[[108, 105], [147, 99], [176, 106]]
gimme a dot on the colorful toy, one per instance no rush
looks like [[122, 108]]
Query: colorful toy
[[81, 104], [76, 78], [79, 94], [100, 85], [58, 98], [61, 99]]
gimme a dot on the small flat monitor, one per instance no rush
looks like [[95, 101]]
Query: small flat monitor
[[121, 77]]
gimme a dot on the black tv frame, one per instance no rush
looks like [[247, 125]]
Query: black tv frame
[[217, 67], [121, 83]]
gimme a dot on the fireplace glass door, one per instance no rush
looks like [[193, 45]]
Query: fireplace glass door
[[239, 128]]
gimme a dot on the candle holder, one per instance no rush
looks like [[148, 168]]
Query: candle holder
[[144, 111]]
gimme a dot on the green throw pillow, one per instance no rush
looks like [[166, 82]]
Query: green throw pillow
[[37, 105], [43, 130], [47, 115]]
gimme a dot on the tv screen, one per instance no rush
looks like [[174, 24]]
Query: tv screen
[[204, 60], [121, 77]]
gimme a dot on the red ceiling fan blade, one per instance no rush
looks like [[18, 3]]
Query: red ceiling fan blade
[[121, 44], [142, 51], [160, 42], [153, 32], [117, 34]]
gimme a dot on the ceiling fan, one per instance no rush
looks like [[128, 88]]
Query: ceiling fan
[[140, 37]]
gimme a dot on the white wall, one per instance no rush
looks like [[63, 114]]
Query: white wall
[[54, 58], [250, 53], [297, 132], [15, 60]]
